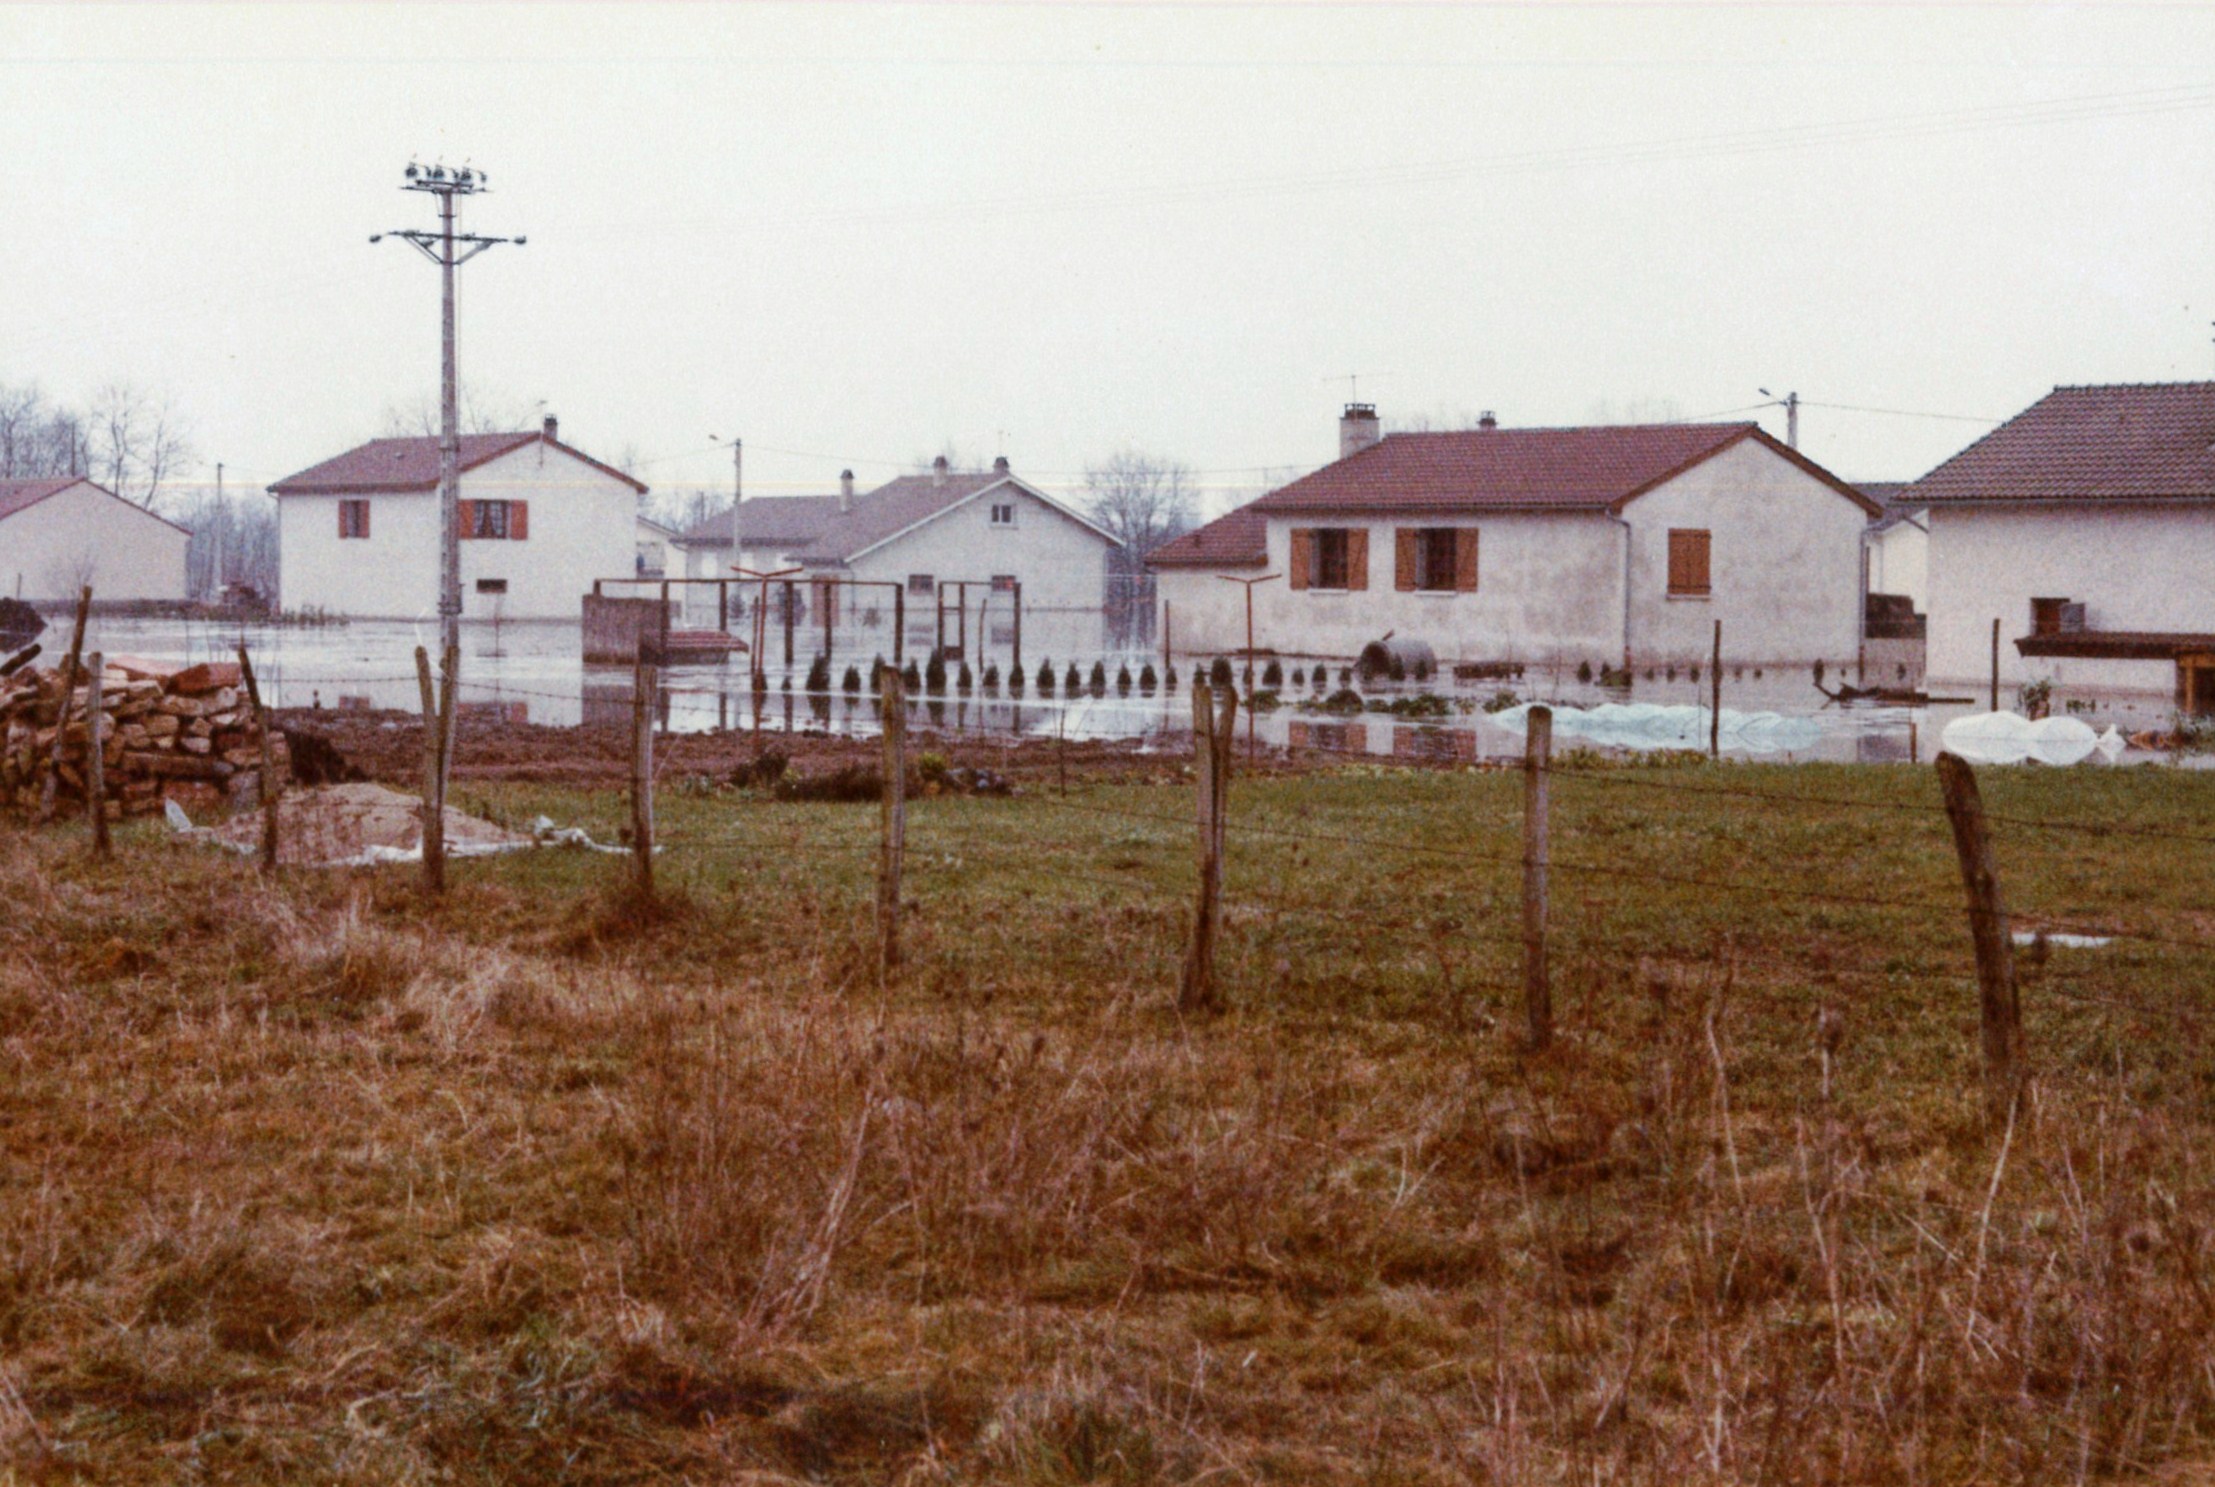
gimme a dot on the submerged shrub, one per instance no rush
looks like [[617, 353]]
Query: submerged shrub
[[1045, 678], [1147, 681], [963, 681], [1219, 675], [934, 674], [1123, 680], [819, 673], [852, 680]]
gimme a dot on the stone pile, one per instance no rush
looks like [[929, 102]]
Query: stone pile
[[169, 732]]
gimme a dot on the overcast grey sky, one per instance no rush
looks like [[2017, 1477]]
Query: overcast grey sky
[[859, 232]]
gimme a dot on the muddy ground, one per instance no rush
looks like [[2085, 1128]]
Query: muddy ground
[[388, 747]]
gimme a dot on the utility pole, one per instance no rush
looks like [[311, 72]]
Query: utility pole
[[441, 248], [215, 579], [1790, 403]]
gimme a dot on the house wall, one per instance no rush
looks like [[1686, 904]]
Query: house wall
[[2142, 567], [1785, 569], [583, 526], [84, 535], [1899, 563], [1784, 564], [1061, 563]]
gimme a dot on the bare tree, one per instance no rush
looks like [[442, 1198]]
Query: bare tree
[[23, 432], [681, 508], [137, 442], [1141, 500], [956, 458], [479, 412]]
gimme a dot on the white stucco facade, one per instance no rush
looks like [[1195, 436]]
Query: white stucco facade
[[1785, 580], [2134, 566], [1899, 562], [1060, 562], [83, 534], [582, 525]]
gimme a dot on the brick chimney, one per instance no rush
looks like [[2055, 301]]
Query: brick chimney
[[551, 428], [938, 471], [999, 464], [1485, 420], [1357, 428], [845, 490]]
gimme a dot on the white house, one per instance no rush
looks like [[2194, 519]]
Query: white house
[[61, 533], [977, 563], [359, 534], [2084, 529], [1899, 545], [1610, 545]]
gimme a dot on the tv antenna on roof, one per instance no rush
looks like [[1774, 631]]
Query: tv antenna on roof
[[1353, 382]]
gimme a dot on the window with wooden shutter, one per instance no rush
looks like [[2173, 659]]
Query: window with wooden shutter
[[1688, 560], [353, 519], [1303, 556], [1465, 560], [1357, 558], [465, 519], [519, 520], [1407, 558]]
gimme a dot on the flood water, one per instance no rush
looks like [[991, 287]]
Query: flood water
[[535, 673]]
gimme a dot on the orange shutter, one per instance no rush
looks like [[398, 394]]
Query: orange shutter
[[1407, 558], [363, 509], [465, 519], [342, 532], [1688, 561], [519, 520], [1303, 554], [1357, 558], [1465, 560]]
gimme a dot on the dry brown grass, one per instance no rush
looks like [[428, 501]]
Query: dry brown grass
[[307, 1183]]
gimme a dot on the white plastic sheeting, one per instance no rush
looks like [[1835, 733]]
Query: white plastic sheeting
[[2011, 738], [1651, 725]]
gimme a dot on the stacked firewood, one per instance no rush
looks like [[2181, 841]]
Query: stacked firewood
[[168, 732]]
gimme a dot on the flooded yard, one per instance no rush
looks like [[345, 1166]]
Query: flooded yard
[[535, 673]]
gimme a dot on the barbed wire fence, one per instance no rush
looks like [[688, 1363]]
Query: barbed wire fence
[[1510, 941]]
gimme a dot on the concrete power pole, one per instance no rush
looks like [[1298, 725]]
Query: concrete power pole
[[215, 566], [440, 247], [1790, 402]]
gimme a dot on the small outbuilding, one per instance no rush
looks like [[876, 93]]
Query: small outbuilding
[[59, 533]]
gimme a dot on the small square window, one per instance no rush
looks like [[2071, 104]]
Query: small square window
[[489, 520], [1003, 583], [492, 585], [922, 585], [1003, 514]]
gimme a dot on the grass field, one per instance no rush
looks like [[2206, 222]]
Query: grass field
[[305, 1180]]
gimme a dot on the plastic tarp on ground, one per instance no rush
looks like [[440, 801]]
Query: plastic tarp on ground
[[2010, 738], [1653, 725]]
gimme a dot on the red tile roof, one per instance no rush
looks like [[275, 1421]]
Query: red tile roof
[[1239, 540], [15, 495], [20, 495], [412, 465], [1596, 468], [2145, 441]]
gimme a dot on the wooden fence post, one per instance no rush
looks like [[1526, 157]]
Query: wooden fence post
[[49, 793], [1715, 696], [269, 787], [1995, 707], [892, 708], [1538, 750], [645, 682], [2006, 1072], [1214, 741], [96, 778], [434, 780]]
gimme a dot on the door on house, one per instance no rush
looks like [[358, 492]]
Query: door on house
[[2196, 684]]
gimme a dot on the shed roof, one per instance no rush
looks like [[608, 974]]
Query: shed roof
[[2093, 444], [21, 495], [775, 521], [1238, 540]]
